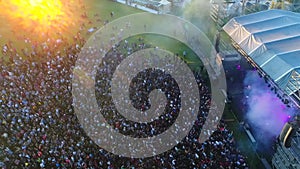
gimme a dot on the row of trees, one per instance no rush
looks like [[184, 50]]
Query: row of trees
[[220, 7], [291, 5]]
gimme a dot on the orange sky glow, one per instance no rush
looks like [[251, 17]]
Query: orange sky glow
[[40, 17]]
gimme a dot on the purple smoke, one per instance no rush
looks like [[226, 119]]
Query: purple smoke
[[266, 112]]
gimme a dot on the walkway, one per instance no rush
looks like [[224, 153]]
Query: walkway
[[138, 6]]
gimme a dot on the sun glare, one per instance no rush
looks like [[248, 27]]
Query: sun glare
[[38, 16]]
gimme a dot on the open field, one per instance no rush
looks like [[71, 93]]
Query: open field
[[103, 8], [98, 12], [242, 140]]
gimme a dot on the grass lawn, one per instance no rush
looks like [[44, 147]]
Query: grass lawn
[[173, 46], [103, 8], [243, 143]]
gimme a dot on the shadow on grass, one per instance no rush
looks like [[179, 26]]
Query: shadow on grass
[[244, 145]]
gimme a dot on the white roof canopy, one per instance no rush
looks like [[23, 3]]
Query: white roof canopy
[[164, 2], [272, 39]]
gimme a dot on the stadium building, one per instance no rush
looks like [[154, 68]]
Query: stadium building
[[270, 42]]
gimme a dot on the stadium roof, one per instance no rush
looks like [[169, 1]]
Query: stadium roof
[[272, 40]]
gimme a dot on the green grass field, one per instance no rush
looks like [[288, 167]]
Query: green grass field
[[173, 46], [103, 9], [243, 143]]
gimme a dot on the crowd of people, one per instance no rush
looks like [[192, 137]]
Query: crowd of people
[[39, 128]]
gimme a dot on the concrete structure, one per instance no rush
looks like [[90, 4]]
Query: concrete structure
[[287, 158], [269, 40]]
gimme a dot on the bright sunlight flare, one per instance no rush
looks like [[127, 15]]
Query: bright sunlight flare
[[39, 16]]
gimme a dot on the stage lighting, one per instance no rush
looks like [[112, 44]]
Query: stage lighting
[[286, 101], [287, 134]]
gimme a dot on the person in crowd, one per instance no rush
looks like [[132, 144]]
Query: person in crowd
[[39, 128]]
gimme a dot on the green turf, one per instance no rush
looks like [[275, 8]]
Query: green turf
[[175, 47], [103, 8], [243, 143]]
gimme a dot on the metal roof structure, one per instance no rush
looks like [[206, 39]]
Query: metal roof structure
[[271, 39]]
